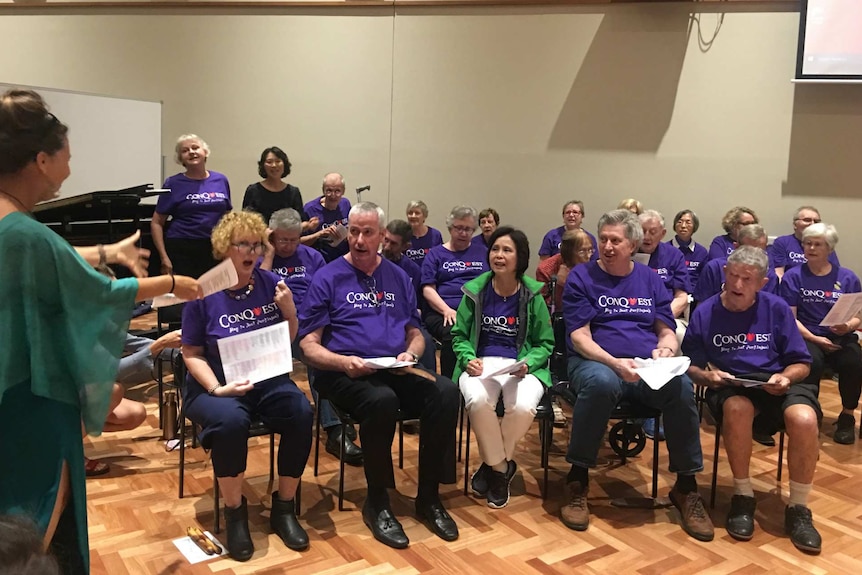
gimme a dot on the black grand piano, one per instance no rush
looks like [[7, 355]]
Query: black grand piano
[[103, 217]]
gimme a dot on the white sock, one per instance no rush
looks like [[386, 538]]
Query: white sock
[[799, 493], [743, 487]]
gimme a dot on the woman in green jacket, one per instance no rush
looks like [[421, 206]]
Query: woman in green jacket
[[502, 339]]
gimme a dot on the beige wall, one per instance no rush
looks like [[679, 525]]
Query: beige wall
[[519, 109]]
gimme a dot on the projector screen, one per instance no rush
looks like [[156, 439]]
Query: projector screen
[[830, 41]]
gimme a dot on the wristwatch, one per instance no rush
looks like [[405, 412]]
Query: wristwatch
[[413, 355]]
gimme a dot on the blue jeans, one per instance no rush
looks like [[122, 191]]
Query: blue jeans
[[137, 367], [599, 389]]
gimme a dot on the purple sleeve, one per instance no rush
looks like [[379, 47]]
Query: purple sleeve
[[778, 253], [679, 272], [717, 249], [165, 203], [547, 247], [194, 323], [692, 343], [788, 289], [227, 189], [314, 311], [709, 282], [578, 310], [663, 298], [316, 259], [429, 268], [436, 238], [792, 348]]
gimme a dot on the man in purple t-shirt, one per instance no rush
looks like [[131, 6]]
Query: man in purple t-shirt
[[296, 264], [330, 212], [787, 252], [362, 306], [666, 260], [616, 310], [747, 334], [396, 240]]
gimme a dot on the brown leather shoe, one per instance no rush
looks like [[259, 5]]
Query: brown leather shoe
[[575, 514], [695, 519]]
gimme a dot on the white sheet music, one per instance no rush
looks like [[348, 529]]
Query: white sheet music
[[657, 372], [387, 363], [845, 309], [218, 278], [257, 355]]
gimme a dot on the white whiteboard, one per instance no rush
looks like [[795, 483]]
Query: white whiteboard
[[115, 143]]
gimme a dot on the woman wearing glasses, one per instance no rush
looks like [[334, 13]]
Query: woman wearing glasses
[[575, 248], [811, 289], [445, 270], [272, 193], [573, 217], [685, 225], [225, 408], [502, 320], [787, 251], [197, 199]]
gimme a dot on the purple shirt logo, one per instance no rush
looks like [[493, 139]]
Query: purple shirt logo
[[206, 197], [501, 325], [292, 272], [819, 295], [623, 304], [461, 266], [742, 341], [362, 299], [417, 253], [248, 318]]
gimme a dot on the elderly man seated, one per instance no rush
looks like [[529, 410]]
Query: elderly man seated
[[615, 310], [363, 306], [751, 334]]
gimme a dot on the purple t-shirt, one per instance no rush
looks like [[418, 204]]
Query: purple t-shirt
[[499, 332], [711, 280], [621, 311], [195, 206], [762, 339], [552, 240], [721, 247], [314, 209], [362, 315], [695, 257], [669, 264], [419, 247], [479, 240], [813, 296], [414, 272], [219, 315], [297, 270], [787, 252], [450, 270]]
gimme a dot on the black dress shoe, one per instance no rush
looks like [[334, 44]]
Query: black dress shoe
[[435, 517], [385, 527], [239, 544], [740, 518], [352, 452], [283, 521], [799, 524]]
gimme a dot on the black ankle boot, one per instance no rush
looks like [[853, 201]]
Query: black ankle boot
[[239, 545], [283, 521]]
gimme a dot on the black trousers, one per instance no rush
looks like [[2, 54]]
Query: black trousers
[[846, 362], [443, 334], [374, 400]]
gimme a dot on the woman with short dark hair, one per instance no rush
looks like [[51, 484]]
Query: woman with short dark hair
[[501, 321], [272, 193], [489, 219]]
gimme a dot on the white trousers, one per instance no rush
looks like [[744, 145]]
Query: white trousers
[[497, 438]]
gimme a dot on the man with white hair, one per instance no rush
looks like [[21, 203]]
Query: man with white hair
[[330, 209]]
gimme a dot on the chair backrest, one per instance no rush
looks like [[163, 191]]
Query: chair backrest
[[559, 357]]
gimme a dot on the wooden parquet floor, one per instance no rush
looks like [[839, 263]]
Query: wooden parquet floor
[[134, 514]]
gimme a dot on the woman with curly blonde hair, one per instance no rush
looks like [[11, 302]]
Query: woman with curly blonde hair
[[225, 408], [733, 220]]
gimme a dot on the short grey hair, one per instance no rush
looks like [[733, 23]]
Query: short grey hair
[[750, 232], [286, 219], [363, 208], [185, 138], [634, 232], [459, 213], [801, 209], [340, 179], [417, 205], [821, 230], [650, 215], [578, 203], [750, 256]]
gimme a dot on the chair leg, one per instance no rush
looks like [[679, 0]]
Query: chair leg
[[217, 528], [341, 466], [547, 441], [400, 444], [317, 435], [780, 454], [460, 427], [467, 458], [182, 419], [271, 458], [160, 381], [715, 464], [655, 459]]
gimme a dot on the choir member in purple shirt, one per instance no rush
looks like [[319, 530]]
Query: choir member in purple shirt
[[489, 219], [296, 264], [744, 332], [225, 408], [811, 289], [632, 205], [735, 218], [396, 241], [786, 251], [445, 270], [615, 310], [711, 279], [685, 225], [198, 199], [667, 262], [330, 212], [424, 236], [573, 217], [363, 306]]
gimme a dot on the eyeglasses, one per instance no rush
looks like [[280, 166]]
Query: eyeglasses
[[463, 229], [585, 252], [371, 289], [282, 242], [572, 213], [808, 220], [247, 248]]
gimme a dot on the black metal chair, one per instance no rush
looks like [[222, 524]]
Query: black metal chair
[[545, 417]]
